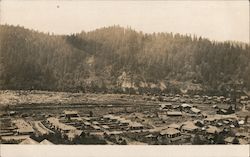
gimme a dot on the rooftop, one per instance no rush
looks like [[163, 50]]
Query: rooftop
[[189, 126], [186, 105], [96, 127], [212, 130], [15, 138], [174, 125], [41, 128], [23, 126], [69, 112], [165, 104], [174, 113], [46, 142], [29, 141], [195, 110], [169, 131], [229, 139], [242, 141], [105, 126]]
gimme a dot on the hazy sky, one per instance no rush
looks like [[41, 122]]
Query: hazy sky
[[217, 20]]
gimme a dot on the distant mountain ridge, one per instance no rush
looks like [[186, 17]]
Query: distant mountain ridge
[[116, 59]]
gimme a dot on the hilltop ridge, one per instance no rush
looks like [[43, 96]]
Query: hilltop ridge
[[116, 60]]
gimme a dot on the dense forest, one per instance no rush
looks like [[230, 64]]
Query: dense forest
[[117, 59]]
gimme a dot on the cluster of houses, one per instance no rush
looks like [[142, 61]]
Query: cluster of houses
[[178, 110], [20, 132], [183, 121], [72, 126], [203, 124]]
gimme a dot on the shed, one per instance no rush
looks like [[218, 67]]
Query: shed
[[71, 114], [170, 132]]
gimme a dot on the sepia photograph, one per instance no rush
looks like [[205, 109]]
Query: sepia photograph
[[88, 74]]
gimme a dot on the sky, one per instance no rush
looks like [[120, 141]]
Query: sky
[[216, 20]]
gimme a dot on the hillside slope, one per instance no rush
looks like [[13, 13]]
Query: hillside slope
[[112, 59]]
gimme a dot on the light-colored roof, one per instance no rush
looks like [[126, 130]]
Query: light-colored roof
[[114, 117], [29, 141], [219, 117], [241, 122], [229, 139], [169, 131], [210, 119], [105, 126], [174, 113], [213, 129], [108, 116], [114, 132], [95, 122], [165, 104], [86, 123], [96, 127], [41, 128], [149, 136], [15, 138], [189, 126], [46, 142], [70, 112], [125, 121], [186, 105], [241, 134], [174, 125], [23, 126], [242, 141], [195, 110]]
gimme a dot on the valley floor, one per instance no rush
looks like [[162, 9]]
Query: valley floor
[[29, 117]]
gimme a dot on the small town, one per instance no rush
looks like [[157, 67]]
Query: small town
[[120, 119]]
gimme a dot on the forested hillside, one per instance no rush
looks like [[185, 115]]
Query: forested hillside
[[115, 58]]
